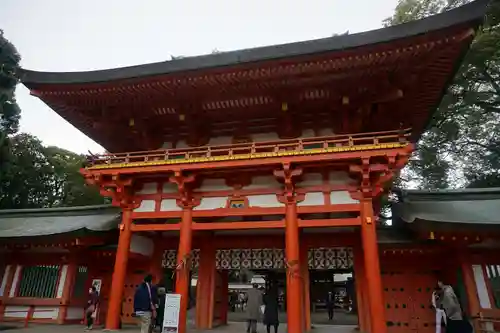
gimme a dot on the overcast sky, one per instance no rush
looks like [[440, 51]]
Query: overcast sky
[[72, 35]]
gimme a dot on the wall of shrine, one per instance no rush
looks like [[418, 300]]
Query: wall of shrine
[[252, 137], [226, 259], [259, 192]]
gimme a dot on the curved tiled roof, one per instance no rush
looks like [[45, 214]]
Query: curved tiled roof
[[471, 13], [467, 206], [53, 221]]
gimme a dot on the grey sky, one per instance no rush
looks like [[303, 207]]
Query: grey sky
[[71, 35]]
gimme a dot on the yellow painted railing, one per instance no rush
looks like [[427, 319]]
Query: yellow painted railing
[[251, 150]]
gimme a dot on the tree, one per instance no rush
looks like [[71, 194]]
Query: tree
[[38, 177], [9, 110], [462, 145]]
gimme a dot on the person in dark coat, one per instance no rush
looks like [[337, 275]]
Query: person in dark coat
[[330, 304], [271, 303], [161, 307], [145, 304]]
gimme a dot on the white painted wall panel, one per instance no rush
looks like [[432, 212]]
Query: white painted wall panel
[[46, 312], [169, 188], [341, 197], [212, 203], [264, 200], [15, 282], [148, 188], [338, 178], [313, 199], [264, 182], [214, 184], [146, 206], [168, 205], [15, 311], [62, 281], [4, 279], [311, 179], [482, 290]]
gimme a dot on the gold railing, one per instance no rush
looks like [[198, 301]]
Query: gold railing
[[290, 147]]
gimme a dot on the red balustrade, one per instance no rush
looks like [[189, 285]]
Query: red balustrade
[[254, 149]]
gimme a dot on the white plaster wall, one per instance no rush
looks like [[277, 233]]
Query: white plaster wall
[[4, 279], [181, 144], [307, 133], [311, 179], [166, 145], [15, 311], [482, 290], [46, 312], [15, 282], [264, 200], [338, 178], [211, 203], [168, 205], [146, 206], [341, 197], [264, 182], [169, 187], [259, 137], [148, 188], [325, 132], [220, 140], [313, 199], [74, 313], [141, 245], [62, 281], [215, 184]]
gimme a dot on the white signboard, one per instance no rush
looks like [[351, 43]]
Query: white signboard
[[171, 313], [97, 283]]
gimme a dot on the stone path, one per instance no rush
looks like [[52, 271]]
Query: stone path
[[231, 328]]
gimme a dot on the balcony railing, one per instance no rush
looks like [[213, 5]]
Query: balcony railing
[[290, 147]]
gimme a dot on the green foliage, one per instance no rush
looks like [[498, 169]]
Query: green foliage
[[38, 176], [462, 145], [9, 110]]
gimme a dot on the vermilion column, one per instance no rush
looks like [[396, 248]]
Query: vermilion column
[[182, 282], [372, 267], [360, 283], [473, 305], [304, 269], [294, 289], [67, 289], [120, 269], [205, 291]]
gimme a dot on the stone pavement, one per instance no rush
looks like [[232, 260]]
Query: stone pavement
[[231, 328]]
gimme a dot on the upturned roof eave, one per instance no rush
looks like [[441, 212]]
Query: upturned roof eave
[[472, 14]]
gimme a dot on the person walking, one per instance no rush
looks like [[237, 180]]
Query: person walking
[[145, 303], [330, 304], [271, 314], [91, 307], [254, 301]]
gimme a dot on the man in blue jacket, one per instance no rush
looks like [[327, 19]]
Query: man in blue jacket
[[145, 303]]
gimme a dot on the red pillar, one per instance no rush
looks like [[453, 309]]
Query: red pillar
[[183, 281], [67, 289], [372, 267], [205, 291], [120, 269], [294, 289], [306, 297], [473, 306], [360, 284]]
